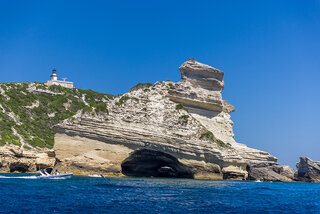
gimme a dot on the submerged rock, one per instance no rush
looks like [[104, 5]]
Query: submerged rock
[[308, 170]]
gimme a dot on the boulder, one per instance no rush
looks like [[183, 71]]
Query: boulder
[[308, 170], [203, 170], [269, 171], [234, 173]]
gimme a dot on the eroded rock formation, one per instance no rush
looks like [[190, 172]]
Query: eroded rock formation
[[200, 87], [187, 120]]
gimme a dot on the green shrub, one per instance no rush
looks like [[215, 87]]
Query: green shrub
[[122, 100], [171, 86], [178, 135], [87, 109], [184, 119], [101, 107], [209, 136], [141, 85], [180, 107], [27, 147]]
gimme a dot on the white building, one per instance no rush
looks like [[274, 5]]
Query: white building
[[54, 81]]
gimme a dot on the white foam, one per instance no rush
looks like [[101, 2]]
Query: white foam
[[21, 177], [29, 177]]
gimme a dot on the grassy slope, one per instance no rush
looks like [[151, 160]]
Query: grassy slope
[[34, 124]]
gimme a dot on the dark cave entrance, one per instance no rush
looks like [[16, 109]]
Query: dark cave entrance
[[152, 163]]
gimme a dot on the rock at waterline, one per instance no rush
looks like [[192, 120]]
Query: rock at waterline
[[308, 170]]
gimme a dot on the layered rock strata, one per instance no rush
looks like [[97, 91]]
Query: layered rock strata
[[187, 120], [308, 170]]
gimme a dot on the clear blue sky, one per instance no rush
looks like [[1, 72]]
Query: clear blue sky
[[269, 51]]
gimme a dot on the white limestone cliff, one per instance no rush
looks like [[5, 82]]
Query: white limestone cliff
[[188, 120]]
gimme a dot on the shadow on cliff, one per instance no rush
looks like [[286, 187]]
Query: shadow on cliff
[[151, 163]]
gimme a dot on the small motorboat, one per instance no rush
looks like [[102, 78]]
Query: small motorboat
[[96, 176], [63, 175], [46, 174]]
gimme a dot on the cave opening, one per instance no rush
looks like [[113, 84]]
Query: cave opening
[[152, 163]]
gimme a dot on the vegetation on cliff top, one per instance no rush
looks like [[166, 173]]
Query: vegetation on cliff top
[[210, 136], [141, 86], [28, 111]]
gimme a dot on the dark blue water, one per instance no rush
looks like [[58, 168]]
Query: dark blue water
[[140, 195]]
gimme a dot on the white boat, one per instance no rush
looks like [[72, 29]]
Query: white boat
[[96, 176], [63, 175], [45, 174]]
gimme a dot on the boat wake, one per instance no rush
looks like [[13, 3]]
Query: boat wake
[[30, 177], [19, 177]]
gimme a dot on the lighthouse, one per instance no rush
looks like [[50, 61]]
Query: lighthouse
[[54, 76], [54, 80]]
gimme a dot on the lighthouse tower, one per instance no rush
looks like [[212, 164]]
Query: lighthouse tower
[[54, 76], [54, 80]]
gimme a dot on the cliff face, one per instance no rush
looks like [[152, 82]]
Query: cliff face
[[164, 129], [186, 121]]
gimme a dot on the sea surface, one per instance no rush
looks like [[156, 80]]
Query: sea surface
[[24, 193]]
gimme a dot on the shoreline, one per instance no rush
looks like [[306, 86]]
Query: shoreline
[[111, 175]]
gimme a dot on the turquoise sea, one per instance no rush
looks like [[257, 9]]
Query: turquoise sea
[[23, 193]]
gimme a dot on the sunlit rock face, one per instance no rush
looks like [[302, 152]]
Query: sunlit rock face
[[202, 75], [200, 87], [187, 120]]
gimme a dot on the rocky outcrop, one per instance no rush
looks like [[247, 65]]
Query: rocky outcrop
[[308, 170], [234, 173], [201, 86], [187, 120], [15, 159], [269, 171]]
